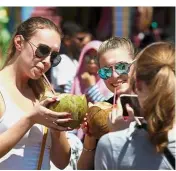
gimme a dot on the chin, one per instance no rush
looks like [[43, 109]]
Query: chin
[[35, 76]]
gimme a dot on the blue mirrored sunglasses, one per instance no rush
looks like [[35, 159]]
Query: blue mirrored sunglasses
[[120, 68]]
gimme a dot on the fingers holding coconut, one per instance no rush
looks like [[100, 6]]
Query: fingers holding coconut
[[56, 127], [84, 127], [68, 103], [60, 121], [57, 115], [49, 100]]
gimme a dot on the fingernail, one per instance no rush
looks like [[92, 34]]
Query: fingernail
[[127, 105], [57, 99]]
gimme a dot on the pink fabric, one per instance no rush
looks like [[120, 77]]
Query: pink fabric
[[77, 86]]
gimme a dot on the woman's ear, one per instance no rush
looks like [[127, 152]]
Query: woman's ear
[[18, 42], [138, 85]]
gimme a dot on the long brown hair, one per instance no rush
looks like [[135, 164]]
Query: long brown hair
[[156, 67], [27, 29]]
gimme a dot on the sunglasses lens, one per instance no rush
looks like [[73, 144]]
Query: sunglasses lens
[[42, 51], [122, 68], [55, 59], [105, 73]]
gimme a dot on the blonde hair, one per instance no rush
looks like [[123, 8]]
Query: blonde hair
[[156, 67], [114, 43], [27, 29]]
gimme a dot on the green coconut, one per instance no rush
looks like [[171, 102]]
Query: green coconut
[[97, 118], [73, 104]]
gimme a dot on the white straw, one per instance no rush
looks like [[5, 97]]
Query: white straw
[[137, 120], [49, 84]]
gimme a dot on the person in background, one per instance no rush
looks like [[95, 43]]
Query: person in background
[[85, 37], [145, 31], [150, 146], [70, 51], [115, 57], [87, 80], [34, 48]]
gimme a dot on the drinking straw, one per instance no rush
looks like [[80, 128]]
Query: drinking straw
[[45, 132]]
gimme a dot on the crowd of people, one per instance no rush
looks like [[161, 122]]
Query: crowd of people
[[77, 64]]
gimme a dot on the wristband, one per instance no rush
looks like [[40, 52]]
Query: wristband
[[88, 150]]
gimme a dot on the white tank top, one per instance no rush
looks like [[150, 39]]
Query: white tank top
[[25, 154]]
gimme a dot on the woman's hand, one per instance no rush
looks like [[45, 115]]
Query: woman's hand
[[116, 121], [89, 140], [41, 115], [84, 125], [88, 80]]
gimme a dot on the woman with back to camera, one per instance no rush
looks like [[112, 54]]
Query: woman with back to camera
[[146, 148], [33, 50]]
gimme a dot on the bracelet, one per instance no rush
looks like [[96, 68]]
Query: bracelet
[[88, 150]]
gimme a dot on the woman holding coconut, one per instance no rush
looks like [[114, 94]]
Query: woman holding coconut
[[33, 50], [114, 56]]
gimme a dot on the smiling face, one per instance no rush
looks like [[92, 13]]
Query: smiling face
[[31, 65], [110, 58]]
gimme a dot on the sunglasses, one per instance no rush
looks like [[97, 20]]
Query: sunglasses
[[89, 58], [43, 51], [120, 68]]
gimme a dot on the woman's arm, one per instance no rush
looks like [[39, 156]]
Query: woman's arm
[[94, 95], [86, 160], [60, 149], [39, 114]]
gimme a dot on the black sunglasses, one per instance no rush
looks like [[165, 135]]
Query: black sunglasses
[[43, 51]]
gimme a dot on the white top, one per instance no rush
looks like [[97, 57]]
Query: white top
[[130, 149], [64, 72], [25, 154]]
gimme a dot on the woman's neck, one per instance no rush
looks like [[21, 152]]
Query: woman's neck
[[13, 76]]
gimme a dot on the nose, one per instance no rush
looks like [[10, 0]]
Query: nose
[[46, 61], [92, 61], [114, 73], [114, 76]]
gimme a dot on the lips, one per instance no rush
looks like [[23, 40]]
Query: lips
[[118, 84], [40, 69]]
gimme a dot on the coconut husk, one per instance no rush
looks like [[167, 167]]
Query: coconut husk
[[97, 118], [73, 104]]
